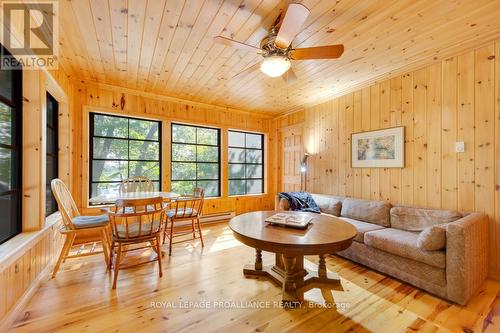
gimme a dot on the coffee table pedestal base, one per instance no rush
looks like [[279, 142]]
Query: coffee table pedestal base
[[289, 272]]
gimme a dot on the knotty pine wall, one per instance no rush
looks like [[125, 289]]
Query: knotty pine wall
[[27, 259], [457, 99], [108, 99]]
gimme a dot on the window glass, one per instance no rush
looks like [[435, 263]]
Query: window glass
[[10, 151], [123, 147], [51, 152], [195, 159], [246, 163]]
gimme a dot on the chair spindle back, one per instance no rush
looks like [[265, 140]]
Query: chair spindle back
[[189, 206], [136, 184], [132, 219], [65, 202]]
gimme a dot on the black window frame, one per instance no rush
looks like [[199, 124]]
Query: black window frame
[[16, 105], [128, 139], [245, 163], [218, 145], [53, 154]]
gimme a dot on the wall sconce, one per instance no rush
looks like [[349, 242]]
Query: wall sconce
[[303, 173]]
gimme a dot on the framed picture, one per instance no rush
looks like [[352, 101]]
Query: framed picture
[[378, 149]]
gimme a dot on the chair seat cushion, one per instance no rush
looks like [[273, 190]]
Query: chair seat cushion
[[82, 222], [404, 243], [133, 229], [180, 213], [361, 228]]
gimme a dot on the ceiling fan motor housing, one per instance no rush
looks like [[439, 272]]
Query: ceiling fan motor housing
[[269, 48]]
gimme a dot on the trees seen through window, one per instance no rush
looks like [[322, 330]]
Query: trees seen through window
[[121, 148], [195, 159]]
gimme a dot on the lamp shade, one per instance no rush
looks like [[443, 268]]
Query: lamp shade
[[303, 163], [275, 66]]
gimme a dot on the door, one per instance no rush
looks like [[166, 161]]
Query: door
[[292, 151]]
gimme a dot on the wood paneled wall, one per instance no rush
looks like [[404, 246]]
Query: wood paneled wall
[[457, 99], [26, 259], [27, 266], [107, 98]]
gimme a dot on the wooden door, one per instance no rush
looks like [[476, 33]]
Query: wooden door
[[292, 150]]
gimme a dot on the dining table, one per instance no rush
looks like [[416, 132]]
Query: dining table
[[111, 197]]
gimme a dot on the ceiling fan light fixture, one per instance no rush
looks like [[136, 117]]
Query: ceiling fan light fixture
[[275, 66]]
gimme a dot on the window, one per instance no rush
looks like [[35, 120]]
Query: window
[[120, 148], [52, 153], [10, 151], [195, 159], [246, 163]]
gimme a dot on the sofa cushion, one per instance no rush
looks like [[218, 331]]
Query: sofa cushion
[[367, 210], [361, 228], [404, 243], [328, 204], [417, 219], [432, 238]]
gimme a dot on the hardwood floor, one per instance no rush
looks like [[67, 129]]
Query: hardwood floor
[[80, 298]]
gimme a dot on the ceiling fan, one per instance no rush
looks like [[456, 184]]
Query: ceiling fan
[[276, 48]]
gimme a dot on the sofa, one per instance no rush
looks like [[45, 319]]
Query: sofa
[[444, 252]]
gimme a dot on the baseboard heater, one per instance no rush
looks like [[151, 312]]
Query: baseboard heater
[[211, 218]]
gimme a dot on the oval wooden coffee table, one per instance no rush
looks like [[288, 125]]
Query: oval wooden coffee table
[[324, 235]]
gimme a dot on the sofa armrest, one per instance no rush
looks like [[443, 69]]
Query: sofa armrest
[[466, 256], [281, 203]]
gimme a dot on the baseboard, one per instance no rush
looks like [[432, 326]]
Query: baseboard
[[16, 310], [494, 276]]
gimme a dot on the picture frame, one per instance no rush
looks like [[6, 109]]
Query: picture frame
[[383, 148]]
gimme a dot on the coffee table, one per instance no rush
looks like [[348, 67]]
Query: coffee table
[[325, 235]]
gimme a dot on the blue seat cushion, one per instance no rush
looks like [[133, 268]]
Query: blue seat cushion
[[82, 222], [180, 213], [133, 229]]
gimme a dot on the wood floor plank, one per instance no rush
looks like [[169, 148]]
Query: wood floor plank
[[204, 290]]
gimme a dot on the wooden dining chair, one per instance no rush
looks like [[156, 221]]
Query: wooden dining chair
[[136, 184], [135, 221], [74, 223], [184, 208]]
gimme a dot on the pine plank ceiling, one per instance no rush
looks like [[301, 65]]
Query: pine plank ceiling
[[166, 46]]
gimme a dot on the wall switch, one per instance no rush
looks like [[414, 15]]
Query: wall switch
[[460, 147]]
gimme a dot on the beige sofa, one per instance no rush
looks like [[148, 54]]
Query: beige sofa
[[444, 252]]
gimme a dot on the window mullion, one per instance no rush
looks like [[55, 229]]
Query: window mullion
[[197, 163], [244, 180], [125, 157], [128, 148]]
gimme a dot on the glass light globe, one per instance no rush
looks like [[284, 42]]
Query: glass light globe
[[275, 66]]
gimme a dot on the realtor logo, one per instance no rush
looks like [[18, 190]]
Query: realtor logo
[[30, 33]]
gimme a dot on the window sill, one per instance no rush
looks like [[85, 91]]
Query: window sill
[[247, 195], [52, 219], [15, 247]]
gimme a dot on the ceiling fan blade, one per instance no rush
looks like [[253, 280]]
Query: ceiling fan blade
[[279, 19], [295, 17], [318, 52], [248, 70], [234, 43], [289, 77]]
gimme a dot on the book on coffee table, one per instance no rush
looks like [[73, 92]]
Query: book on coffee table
[[289, 220]]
